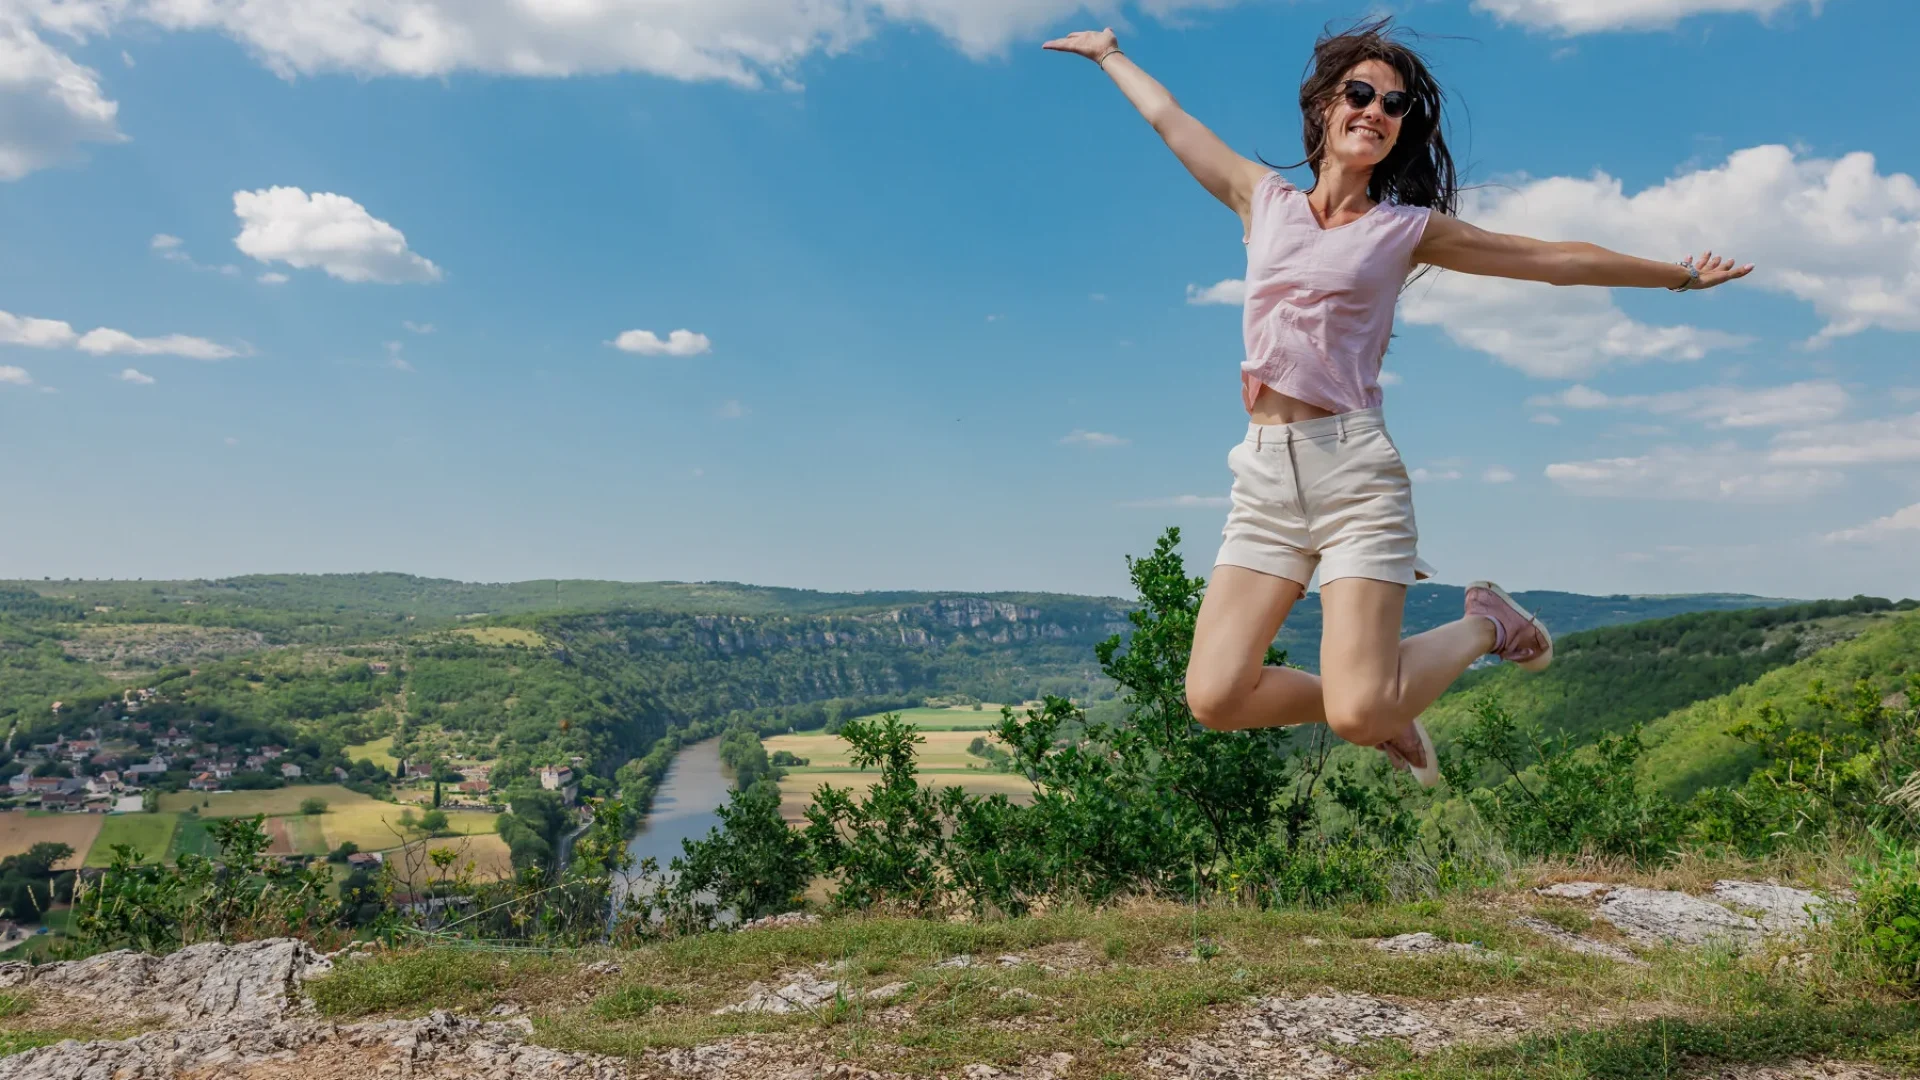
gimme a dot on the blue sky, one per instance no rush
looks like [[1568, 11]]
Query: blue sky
[[359, 292]]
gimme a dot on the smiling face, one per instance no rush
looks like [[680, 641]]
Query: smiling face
[[1361, 138]]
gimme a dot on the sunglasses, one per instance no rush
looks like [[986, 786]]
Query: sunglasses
[[1395, 103]]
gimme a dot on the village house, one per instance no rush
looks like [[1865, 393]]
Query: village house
[[153, 766], [561, 779], [224, 769], [363, 860], [379, 667], [62, 800], [19, 781], [81, 749], [255, 762], [271, 752], [203, 782], [290, 771]]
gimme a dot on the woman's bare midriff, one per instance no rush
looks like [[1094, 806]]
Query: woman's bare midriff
[[1274, 407]]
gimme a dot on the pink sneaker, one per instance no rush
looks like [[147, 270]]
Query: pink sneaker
[[1428, 772], [1518, 637]]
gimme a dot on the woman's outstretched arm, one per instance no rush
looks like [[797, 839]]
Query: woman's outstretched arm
[[1230, 177], [1452, 244]]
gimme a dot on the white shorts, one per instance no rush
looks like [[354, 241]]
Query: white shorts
[[1330, 494]]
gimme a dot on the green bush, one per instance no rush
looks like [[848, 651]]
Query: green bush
[[1553, 798], [1888, 911], [313, 805]]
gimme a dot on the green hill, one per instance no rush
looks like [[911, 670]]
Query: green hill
[[1606, 680], [1689, 748]]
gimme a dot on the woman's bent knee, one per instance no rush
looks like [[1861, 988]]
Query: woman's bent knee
[[1364, 725], [1216, 703]]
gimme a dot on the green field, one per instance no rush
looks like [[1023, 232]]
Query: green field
[[149, 835], [379, 751], [308, 833], [964, 718], [191, 838], [273, 802]]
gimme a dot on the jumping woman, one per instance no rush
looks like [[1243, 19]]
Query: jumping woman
[[1318, 482]]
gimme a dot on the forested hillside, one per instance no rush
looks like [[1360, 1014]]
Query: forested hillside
[[1690, 748], [1605, 681]]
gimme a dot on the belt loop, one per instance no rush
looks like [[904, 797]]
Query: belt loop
[[1260, 438], [1343, 427]]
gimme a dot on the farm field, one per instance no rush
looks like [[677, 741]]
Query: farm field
[[374, 826], [371, 825], [272, 803], [21, 829], [797, 790], [191, 837], [940, 750], [488, 853], [149, 835], [958, 718], [379, 751]]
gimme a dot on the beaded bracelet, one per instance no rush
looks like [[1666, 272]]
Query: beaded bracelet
[[1693, 276]]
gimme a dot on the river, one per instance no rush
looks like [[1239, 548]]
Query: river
[[684, 808]]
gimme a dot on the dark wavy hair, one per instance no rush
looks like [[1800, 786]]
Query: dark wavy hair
[[1418, 171]]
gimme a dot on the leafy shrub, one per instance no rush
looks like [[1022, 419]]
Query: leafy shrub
[[1843, 769], [313, 805], [1888, 911], [1553, 798]]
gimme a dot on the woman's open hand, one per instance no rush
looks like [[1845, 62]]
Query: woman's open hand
[[1092, 44], [1715, 270]]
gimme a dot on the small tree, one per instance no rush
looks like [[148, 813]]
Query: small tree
[[434, 822], [313, 805]]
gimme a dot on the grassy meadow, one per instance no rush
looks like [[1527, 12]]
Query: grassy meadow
[[943, 759]]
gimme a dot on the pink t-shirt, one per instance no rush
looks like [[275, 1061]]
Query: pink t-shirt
[[1320, 301]]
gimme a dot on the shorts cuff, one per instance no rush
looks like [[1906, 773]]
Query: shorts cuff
[[1291, 565], [1396, 571]]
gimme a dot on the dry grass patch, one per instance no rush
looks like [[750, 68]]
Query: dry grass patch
[[273, 802], [21, 829], [798, 789], [485, 856]]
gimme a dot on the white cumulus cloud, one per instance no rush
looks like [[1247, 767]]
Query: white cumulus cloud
[[1231, 292], [1900, 521], [1436, 475], [749, 43], [274, 277], [1800, 403], [1092, 438], [678, 343], [1835, 233], [1498, 474], [50, 106], [102, 341], [13, 376], [1592, 16], [326, 231], [1723, 473], [138, 377], [1885, 441]]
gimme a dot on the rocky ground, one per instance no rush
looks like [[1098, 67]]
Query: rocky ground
[[217, 1012]]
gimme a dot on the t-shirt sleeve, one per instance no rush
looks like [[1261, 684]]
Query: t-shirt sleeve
[[1266, 196]]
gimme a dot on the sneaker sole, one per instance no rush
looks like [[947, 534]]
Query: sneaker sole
[[1429, 775], [1538, 663]]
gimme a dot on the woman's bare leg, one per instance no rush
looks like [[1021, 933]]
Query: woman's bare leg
[[1374, 683], [1229, 688]]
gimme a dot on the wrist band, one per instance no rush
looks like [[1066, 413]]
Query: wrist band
[[1693, 276], [1102, 62]]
